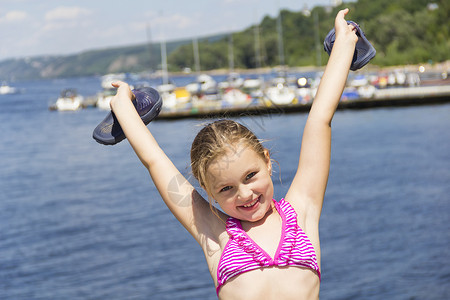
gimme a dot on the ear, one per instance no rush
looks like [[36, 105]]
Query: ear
[[268, 161]]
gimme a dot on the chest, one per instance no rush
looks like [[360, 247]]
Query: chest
[[273, 283], [267, 237]]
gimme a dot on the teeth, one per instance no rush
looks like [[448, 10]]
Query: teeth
[[251, 204]]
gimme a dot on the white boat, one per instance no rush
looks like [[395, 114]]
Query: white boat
[[104, 98], [6, 89], [235, 97], [204, 84], [108, 79], [279, 93], [69, 100], [108, 91], [234, 80], [367, 91]]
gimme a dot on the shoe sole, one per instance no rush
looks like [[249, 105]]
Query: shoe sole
[[109, 131]]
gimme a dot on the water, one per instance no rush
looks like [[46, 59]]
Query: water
[[79, 220]]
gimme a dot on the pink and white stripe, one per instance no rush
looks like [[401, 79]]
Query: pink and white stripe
[[242, 254]]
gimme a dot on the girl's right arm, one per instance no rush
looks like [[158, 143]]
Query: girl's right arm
[[189, 207]]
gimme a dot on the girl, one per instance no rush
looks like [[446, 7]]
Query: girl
[[255, 247]]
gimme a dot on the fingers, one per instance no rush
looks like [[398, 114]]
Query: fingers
[[347, 31], [340, 18], [342, 13], [123, 89], [352, 27], [118, 83]]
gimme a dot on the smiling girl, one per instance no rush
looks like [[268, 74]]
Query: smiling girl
[[255, 247]]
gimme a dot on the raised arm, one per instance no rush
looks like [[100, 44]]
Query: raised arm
[[309, 184], [178, 194]]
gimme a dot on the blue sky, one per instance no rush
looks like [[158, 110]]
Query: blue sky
[[47, 27]]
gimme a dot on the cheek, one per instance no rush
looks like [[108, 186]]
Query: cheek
[[269, 184]]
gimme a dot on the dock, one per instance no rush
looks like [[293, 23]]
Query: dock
[[390, 97]]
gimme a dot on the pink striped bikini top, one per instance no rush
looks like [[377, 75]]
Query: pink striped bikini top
[[242, 254]]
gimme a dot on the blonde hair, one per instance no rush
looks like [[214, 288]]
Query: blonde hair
[[214, 140]]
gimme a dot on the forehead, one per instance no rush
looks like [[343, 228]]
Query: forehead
[[236, 160]]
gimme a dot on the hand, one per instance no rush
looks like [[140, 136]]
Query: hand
[[123, 92], [344, 30]]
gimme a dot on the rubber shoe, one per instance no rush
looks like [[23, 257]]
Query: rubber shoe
[[364, 51], [148, 104]]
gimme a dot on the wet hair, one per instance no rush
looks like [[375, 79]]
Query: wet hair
[[215, 140]]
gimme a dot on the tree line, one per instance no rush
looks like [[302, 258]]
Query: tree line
[[402, 31]]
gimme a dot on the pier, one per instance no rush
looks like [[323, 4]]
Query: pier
[[390, 97]]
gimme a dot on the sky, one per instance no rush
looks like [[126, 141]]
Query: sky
[[62, 27]]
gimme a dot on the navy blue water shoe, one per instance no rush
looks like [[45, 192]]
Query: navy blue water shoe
[[148, 104], [364, 51]]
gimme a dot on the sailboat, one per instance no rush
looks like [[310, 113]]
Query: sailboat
[[232, 95], [253, 85], [204, 89], [279, 92], [108, 91], [173, 97]]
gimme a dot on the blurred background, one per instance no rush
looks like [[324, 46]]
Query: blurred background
[[79, 220]]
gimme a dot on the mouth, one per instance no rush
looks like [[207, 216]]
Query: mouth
[[251, 204]]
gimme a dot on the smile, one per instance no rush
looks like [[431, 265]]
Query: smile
[[251, 204]]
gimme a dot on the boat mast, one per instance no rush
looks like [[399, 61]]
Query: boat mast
[[196, 55], [230, 53], [257, 47], [149, 39], [317, 36], [165, 75], [280, 37]]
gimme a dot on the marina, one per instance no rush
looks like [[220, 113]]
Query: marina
[[383, 98], [208, 96]]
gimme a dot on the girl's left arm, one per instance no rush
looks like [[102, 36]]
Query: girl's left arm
[[307, 190]]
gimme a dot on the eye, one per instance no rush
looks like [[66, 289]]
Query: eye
[[225, 189], [249, 176]]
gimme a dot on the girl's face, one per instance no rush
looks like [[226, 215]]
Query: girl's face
[[241, 184]]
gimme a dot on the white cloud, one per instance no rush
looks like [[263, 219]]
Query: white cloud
[[175, 20], [64, 13], [13, 16], [181, 21]]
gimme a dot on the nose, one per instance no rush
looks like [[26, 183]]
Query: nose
[[245, 192]]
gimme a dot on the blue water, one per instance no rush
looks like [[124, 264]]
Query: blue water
[[79, 220]]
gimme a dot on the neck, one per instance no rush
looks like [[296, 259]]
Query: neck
[[271, 212]]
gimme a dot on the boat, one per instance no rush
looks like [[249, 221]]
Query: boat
[[235, 97], [104, 98], [203, 84], [304, 90], [6, 89], [69, 100], [173, 97], [234, 80], [279, 93], [108, 91]]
